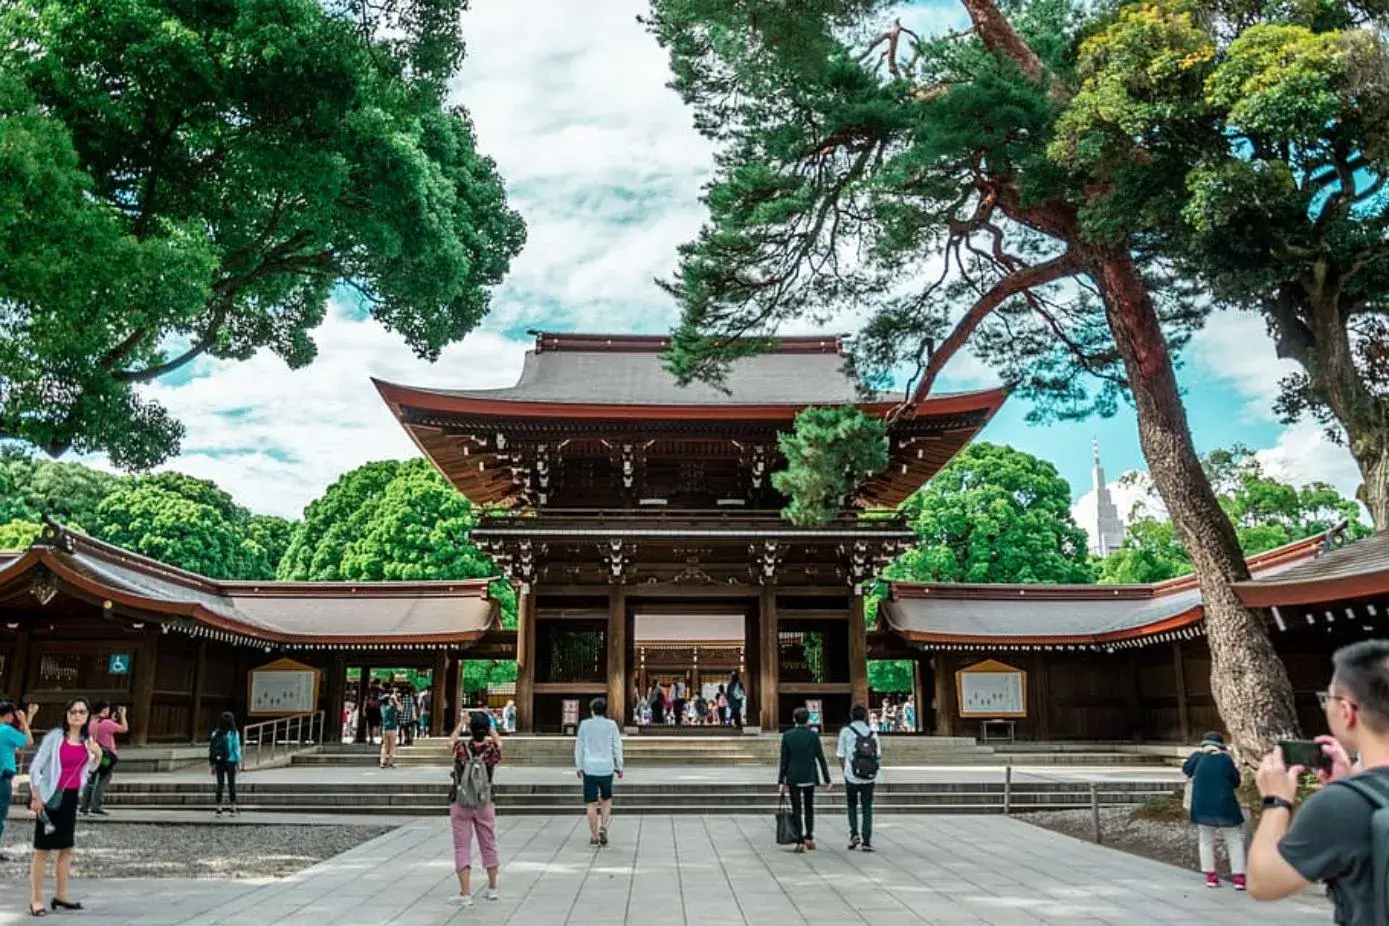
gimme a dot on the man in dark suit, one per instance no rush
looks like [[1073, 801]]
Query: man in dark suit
[[803, 765]]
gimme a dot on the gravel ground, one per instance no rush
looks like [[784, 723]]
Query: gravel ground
[[136, 850], [1167, 841]]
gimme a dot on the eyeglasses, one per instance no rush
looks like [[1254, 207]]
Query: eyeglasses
[[1324, 697], [77, 710]]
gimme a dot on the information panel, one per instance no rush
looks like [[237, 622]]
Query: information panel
[[283, 687], [992, 689]]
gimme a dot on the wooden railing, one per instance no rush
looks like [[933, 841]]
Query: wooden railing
[[280, 738]]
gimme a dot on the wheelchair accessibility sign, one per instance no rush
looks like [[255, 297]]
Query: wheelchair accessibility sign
[[119, 664]]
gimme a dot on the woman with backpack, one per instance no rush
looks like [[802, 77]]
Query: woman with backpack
[[224, 757], [64, 759], [472, 809], [1215, 808], [862, 754]]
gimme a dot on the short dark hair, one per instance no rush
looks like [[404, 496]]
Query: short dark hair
[[801, 716], [858, 713], [7, 707], [479, 726], [1363, 670], [98, 706], [598, 707]]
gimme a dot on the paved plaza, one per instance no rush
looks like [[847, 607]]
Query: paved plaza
[[693, 870]]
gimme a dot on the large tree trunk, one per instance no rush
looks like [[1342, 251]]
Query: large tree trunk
[[1249, 681]]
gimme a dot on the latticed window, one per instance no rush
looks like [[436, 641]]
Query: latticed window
[[574, 652]]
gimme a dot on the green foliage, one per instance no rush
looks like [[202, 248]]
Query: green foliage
[[185, 522], [392, 520], [18, 535], [994, 514], [187, 179], [69, 493], [1251, 147], [1266, 513], [828, 454], [894, 675]]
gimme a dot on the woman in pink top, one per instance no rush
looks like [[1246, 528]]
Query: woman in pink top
[[62, 763]]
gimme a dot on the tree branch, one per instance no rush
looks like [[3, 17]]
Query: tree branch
[[1014, 283], [1000, 37], [201, 347]]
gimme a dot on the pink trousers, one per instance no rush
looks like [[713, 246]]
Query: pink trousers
[[465, 821]]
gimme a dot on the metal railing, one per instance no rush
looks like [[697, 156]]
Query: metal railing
[[280, 738]]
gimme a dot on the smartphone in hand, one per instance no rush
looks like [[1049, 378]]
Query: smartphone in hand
[[1305, 753]]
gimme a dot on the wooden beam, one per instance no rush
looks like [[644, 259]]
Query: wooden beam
[[1040, 679], [1179, 679], [858, 650], [363, 680], [525, 663], [452, 705], [768, 674], [337, 698], [142, 685], [617, 654], [195, 713], [19, 671], [1134, 696]]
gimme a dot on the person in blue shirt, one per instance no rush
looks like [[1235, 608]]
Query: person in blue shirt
[[597, 758], [15, 735], [224, 757]]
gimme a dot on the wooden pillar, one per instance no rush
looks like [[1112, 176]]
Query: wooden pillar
[[769, 667], [337, 698], [617, 654], [1134, 697], [858, 650], [525, 663], [437, 697], [363, 681], [18, 672], [142, 685], [919, 691], [1039, 680], [195, 713], [945, 696], [451, 707], [1179, 679]]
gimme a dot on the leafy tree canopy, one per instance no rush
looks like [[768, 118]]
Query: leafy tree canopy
[[69, 493], [830, 452], [1250, 143], [186, 179], [188, 523], [1266, 512], [994, 514], [18, 535], [392, 521]]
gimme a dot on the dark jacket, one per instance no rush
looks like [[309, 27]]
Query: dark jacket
[[801, 751], [1214, 779]]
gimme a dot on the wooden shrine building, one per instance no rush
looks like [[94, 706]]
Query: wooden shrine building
[[628, 496], [83, 617], [1128, 663]]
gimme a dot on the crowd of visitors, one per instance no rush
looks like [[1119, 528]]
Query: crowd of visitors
[[680, 704]]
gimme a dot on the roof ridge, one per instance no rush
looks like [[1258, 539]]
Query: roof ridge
[[597, 342]]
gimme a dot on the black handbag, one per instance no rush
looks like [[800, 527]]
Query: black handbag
[[786, 830]]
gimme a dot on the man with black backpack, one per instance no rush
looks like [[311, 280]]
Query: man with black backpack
[[1340, 836], [862, 754]]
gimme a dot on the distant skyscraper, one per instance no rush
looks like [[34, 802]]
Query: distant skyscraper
[[1107, 530]]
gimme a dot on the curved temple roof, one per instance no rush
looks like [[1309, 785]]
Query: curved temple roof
[[301, 613], [1357, 570], [1099, 616]]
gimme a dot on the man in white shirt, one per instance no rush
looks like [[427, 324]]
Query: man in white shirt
[[597, 758], [862, 754]]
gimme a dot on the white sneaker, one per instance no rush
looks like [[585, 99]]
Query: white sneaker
[[492, 894], [461, 900]]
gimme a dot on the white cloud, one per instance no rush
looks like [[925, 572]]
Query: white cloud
[[1131, 494], [1235, 347], [1303, 454]]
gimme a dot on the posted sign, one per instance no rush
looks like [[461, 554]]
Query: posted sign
[[570, 721], [118, 664]]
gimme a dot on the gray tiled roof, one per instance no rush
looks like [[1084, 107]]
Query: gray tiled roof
[[1367, 555], [326, 610], [639, 378], [1007, 611]]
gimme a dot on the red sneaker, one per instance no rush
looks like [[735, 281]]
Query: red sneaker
[[1212, 879], [1239, 882]]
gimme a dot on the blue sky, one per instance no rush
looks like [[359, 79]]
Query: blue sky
[[601, 159]]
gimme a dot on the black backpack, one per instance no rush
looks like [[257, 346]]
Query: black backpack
[[864, 763], [218, 748], [1375, 789]]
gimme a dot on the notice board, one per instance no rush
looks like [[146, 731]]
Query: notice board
[[991, 689], [283, 687]]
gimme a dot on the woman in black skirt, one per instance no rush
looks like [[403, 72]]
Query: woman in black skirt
[[64, 760]]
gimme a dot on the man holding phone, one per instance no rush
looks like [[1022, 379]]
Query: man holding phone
[[1330, 838], [15, 734]]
